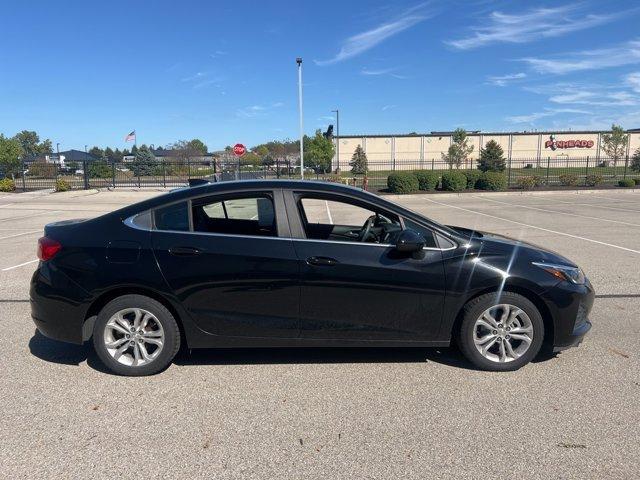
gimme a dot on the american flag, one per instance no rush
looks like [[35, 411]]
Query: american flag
[[131, 137]]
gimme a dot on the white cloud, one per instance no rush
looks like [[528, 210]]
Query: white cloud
[[533, 24], [547, 112], [364, 41], [633, 80], [623, 54], [388, 107], [195, 76], [503, 80], [382, 71], [257, 110]]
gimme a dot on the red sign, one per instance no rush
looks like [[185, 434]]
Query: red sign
[[239, 149], [552, 143]]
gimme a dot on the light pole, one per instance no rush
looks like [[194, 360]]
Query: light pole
[[337, 112], [299, 62]]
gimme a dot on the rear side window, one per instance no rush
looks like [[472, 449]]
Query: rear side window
[[252, 215], [172, 217]]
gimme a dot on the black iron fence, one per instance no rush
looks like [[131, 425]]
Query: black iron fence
[[583, 171]]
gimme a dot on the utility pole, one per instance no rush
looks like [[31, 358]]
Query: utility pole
[[337, 112], [299, 62]]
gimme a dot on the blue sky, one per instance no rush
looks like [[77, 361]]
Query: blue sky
[[88, 72]]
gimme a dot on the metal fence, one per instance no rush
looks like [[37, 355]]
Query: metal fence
[[584, 171]]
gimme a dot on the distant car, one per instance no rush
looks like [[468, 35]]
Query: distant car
[[290, 263]]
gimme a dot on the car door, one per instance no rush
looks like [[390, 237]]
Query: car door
[[230, 261], [355, 290]]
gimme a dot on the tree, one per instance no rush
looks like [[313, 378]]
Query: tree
[[31, 145], [635, 160], [98, 153], [261, 150], [358, 161], [614, 144], [197, 146], [10, 153], [491, 158], [318, 152], [459, 150], [110, 155], [144, 163]]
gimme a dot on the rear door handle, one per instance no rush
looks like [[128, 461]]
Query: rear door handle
[[322, 261], [184, 251]]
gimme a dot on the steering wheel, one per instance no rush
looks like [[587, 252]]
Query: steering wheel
[[366, 229]]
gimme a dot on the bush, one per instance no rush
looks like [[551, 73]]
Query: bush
[[454, 181], [7, 185], [472, 178], [99, 169], [427, 180], [593, 179], [627, 182], [538, 180], [62, 186], [568, 179], [637, 180], [402, 182], [42, 169], [527, 183], [493, 181]]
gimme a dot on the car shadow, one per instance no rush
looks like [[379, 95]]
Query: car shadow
[[69, 354]]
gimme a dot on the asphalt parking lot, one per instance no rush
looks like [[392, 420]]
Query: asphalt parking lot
[[336, 413]]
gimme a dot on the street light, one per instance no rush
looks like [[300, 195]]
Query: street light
[[337, 112], [299, 62]]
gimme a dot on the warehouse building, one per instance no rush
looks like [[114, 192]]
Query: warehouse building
[[407, 151]]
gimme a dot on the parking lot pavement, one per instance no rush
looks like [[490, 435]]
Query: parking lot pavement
[[336, 413]]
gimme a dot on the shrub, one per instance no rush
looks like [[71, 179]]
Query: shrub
[[7, 185], [526, 183], [568, 179], [402, 182], [472, 178], [593, 179], [42, 169], [627, 182], [637, 180], [539, 181], [62, 186], [99, 169], [493, 181], [427, 180], [454, 181]]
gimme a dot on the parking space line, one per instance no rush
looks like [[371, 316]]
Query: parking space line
[[29, 216], [555, 211], [535, 227], [599, 206], [20, 265], [20, 234]]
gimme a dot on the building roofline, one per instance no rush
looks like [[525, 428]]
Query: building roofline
[[444, 134]]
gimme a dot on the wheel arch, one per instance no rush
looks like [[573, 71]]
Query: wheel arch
[[547, 318], [103, 299]]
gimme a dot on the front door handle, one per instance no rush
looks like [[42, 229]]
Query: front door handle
[[322, 261], [185, 251]]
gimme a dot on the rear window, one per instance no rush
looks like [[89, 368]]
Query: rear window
[[172, 217]]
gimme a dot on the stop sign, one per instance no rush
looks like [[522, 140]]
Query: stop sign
[[239, 149]]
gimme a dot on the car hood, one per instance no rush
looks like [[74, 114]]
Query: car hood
[[493, 243]]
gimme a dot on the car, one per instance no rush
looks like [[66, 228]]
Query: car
[[282, 263]]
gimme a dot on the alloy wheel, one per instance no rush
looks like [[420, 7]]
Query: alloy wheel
[[503, 333], [134, 337]]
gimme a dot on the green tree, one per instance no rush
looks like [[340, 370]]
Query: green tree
[[491, 158], [99, 169], [635, 160], [459, 150], [261, 150], [318, 152], [10, 153], [144, 162], [197, 146], [110, 155], [98, 153], [615, 143], [358, 161], [31, 145], [250, 159]]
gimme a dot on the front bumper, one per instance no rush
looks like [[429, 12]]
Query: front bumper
[[569, 306]]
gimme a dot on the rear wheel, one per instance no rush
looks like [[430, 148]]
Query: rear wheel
[[502, 332], [136, 335]]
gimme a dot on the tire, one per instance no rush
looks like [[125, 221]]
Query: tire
[[507, 353], [144, 351]]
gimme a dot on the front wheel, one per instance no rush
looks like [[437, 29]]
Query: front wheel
[[501, 333], [136, 335]]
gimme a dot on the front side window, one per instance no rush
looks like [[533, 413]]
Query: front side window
[[338, 220], [253, 215]]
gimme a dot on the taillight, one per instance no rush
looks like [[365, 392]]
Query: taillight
[[47, 248]]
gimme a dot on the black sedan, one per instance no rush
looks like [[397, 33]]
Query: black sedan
[[289, 263]]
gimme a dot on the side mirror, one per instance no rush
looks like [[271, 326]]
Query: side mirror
[[409, 241]]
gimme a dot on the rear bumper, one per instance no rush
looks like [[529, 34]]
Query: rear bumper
[[58, 305]]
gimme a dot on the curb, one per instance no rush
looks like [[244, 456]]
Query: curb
[[521, 193]]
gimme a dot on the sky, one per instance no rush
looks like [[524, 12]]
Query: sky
[[87, 73]]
